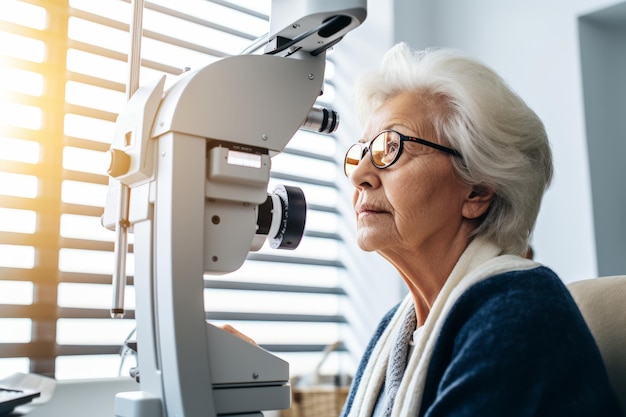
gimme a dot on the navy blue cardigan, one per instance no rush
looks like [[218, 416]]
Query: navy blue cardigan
[[513, 345]]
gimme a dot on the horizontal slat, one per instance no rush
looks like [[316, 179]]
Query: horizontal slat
[[284, 348], [295, 260], [90, 313], [21, 239], [20, 132], [25, 168], [304, 318], [86, 144], [306, 154], [95, 81], [67, 350], [21, 98], [76, 277], [253, 286], [21, 30], [19, 274], [31, 350], [85, 244], [88, 112], [16, 167], [26, 203], [97, 50], [46, 349], [86, 177], [80, 209], [22, 64], [39, 312], [43, 204], [322, 235], [101, 20]]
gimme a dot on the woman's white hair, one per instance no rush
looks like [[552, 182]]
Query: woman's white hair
[[504, 144]]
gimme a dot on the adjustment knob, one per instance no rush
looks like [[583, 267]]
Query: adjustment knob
[[293, 217], [119, 162]]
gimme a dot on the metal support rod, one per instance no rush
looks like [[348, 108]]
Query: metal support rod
[[122, 224]]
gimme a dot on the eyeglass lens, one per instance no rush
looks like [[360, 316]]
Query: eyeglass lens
[[353, 157], [383, 148]]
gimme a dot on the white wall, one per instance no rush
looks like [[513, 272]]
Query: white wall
[[534, 45]]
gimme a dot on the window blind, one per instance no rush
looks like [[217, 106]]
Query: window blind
[[63, 71]]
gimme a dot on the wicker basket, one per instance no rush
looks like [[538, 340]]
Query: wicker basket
[[320, 401], [318, 395]]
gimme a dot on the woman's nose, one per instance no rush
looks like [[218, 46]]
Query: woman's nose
[[364, 173]]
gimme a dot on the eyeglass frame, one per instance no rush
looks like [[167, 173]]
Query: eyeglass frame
[[403, 138]]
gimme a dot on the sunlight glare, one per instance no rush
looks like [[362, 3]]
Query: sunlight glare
[[13, 256], [19, 150], [18, 185], [17, 46], [17, 221], [24, 14], [24, 82], [84, 160], [20, 115]]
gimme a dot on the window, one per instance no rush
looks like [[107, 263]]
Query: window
[[63, 73]]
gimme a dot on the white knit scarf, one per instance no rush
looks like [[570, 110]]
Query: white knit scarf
[[481, 259]]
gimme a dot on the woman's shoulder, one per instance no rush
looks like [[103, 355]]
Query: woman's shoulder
[[532, 303], [520, 332], [536, 288]]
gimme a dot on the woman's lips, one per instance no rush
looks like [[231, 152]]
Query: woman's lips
[[366, 210]]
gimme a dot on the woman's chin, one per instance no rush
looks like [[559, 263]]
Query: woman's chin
[[367, 242]]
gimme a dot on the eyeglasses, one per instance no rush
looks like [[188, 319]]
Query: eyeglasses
[[385, 149]]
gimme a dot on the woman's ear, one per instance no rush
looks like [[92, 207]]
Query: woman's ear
[[477, 202]]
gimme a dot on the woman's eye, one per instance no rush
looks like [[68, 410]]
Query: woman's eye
[[392, 147]]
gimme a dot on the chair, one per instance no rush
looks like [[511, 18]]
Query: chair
[[602, 302]]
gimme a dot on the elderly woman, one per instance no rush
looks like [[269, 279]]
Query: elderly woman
[[448, 178]]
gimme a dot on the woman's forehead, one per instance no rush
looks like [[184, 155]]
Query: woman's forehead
[[405, 112]]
